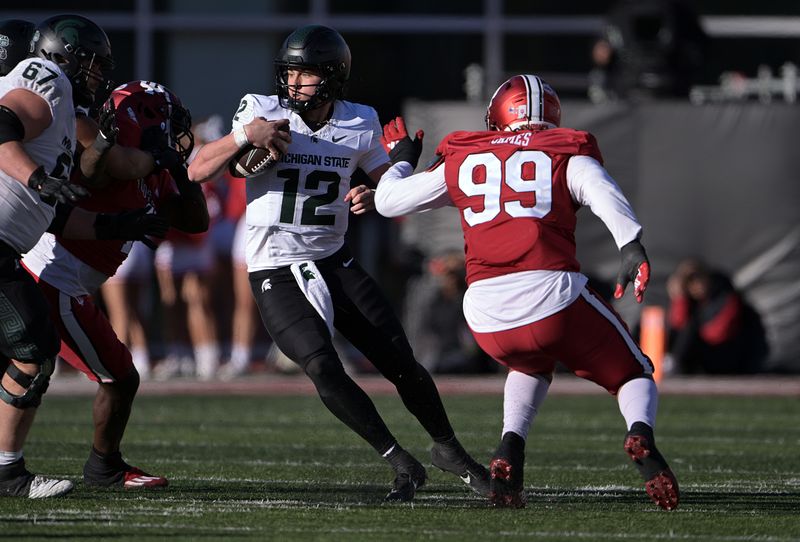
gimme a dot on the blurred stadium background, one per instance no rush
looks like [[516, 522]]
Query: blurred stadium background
[[708, 167]]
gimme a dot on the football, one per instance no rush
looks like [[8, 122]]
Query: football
[[251, 160]]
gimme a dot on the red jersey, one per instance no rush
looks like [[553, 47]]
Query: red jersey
[[511, 188], [107, 255]]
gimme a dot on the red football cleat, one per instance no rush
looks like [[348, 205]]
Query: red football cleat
[[135, 478], [660, 483], [505, 484]]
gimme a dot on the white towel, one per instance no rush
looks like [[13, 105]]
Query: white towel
[[313, 286]]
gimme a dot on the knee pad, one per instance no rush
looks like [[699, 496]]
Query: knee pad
[[35, 386]]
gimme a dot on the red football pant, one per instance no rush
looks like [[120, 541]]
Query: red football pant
[[588, 337], [88, 341]]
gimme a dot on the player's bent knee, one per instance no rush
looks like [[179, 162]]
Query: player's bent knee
[[323, 368], [34, 386], [128, 385]]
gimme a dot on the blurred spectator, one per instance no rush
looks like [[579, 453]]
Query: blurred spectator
[[123, 295], [435, 320], [649, 48], [244, 308], [712, 328]]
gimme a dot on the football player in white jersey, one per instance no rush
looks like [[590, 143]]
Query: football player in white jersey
[[37, 142], [304, 278]]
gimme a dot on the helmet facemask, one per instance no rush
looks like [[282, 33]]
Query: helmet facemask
[[327, 90]]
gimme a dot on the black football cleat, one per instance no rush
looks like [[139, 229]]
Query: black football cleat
[[112, 471], [451, 457], [506, 489], [659, 481], [409, 479]]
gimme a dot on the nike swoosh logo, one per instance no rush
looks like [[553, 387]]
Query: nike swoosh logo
[[338, 139], [348, 262], [465, 478]]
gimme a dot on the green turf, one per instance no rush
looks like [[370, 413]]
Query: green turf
[[282, 468]]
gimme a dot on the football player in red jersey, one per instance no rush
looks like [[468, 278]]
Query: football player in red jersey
[[150, 117], [518, 187]]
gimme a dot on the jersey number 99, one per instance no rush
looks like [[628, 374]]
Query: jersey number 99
[[509, 172]]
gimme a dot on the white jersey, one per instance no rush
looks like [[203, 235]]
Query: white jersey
[[24, 217], [296, 209]]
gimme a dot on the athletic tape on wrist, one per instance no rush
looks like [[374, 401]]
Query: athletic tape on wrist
[[240, 136]]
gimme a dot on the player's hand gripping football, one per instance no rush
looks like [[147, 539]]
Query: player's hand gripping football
[[270, 134], [635, 268], [399, 145]]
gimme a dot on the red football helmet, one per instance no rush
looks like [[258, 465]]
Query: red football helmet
[[522, 102], [143, 105]]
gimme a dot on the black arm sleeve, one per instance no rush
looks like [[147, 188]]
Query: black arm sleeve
[[11, 128]]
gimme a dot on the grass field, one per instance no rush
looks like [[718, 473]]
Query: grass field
[[282, 468]]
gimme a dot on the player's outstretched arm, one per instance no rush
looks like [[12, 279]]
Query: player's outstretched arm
[[103, 162]]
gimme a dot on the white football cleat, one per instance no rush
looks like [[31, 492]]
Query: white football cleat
[[42, 487]]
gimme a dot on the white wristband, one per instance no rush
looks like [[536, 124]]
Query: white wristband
[[240, 136]]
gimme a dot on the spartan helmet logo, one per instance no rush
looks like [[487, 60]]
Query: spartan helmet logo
[[307, 273]]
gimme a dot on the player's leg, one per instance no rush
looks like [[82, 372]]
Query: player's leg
[[526, 387], [122, 295], [592, 340], [365, 318], [302, 335], [28, 346], [89, 344]]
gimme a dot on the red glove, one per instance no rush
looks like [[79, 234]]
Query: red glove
[[399, 145]]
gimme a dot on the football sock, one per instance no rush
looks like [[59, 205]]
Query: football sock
[[240, 356], [522, 397], [638, 401], [421, 398], [7, 458], [103, 462], [511, 445], [348, 402]]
